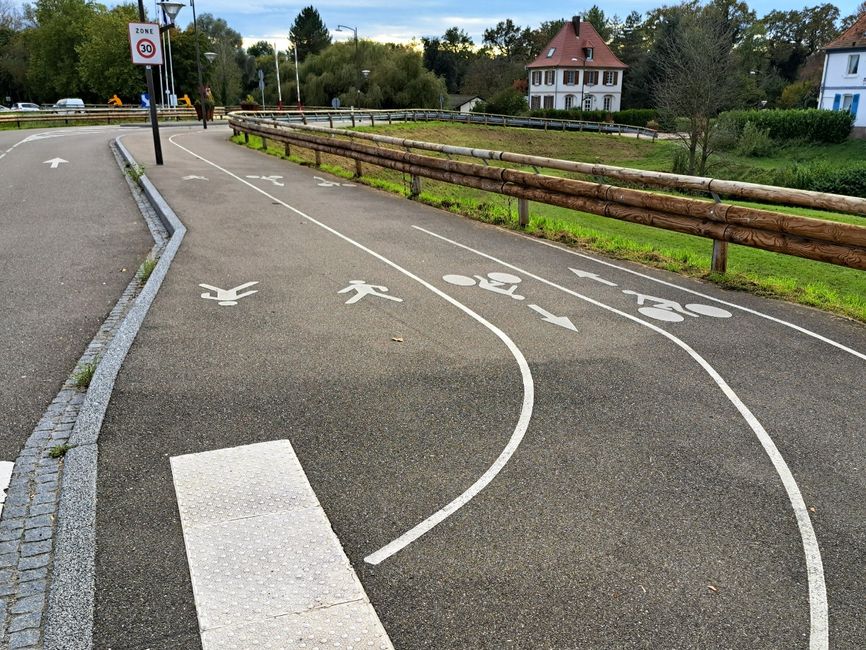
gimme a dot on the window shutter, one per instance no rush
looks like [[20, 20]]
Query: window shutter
[[837, 100], [854, 103]]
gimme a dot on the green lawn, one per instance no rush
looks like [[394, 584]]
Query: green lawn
[[836, 289]]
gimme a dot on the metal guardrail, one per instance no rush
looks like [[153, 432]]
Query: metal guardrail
[[362, 117], [96, 115], [827, 241]]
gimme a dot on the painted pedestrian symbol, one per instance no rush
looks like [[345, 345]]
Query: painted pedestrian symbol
[[495, 282], [362, 288], [228, 297], [273, 179], [322, 182], [673, 312]]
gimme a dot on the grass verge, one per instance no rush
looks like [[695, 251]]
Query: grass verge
[[828, 287]]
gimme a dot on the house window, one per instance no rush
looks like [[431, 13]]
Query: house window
[[569, 102], [548, 101], [590, 77], [610, 78], [853, 63], [569, 77], [847, 101], [536, 77], [535, 102], [551, 52], [588, 51], [549, 77], [588, 103], [608, 102]]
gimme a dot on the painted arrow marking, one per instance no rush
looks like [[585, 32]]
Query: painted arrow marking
[[193, 177], [592, 276], [55, 162], [562, 321]]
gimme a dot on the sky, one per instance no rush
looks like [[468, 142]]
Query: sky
[[401, 22]]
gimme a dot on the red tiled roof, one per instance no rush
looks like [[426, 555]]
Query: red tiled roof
[[568, 45], [854, 36]]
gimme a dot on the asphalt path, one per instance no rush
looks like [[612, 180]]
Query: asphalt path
[[689, 475], [72, 239]]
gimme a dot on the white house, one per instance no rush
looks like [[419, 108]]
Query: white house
[[576, 70], [463, 103], [844, 80]]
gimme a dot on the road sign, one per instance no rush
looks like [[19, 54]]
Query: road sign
[[145, 43]]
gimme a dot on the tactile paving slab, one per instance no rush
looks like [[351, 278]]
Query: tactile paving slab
[[267, 569]]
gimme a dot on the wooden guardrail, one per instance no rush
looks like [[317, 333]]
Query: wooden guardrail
[[827, 241], [94, 115]]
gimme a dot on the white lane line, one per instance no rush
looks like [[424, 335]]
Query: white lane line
[[267, 569], [526, 377], [798, 328], [6, 468], [819, 637]]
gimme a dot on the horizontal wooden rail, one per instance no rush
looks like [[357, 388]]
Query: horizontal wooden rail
[[826, 241]]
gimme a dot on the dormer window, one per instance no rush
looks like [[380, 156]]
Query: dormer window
[[588, 52], [551, 52]]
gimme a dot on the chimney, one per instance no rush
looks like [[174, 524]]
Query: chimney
[[575, 21]]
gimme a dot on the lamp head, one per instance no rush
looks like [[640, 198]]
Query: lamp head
[[210, 56], [171, 9]]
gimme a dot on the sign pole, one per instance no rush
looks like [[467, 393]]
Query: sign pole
[[148, 74]]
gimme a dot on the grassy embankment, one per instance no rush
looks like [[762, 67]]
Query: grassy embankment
[[832, 288]]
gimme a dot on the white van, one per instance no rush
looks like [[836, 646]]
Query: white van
[[69, 105]]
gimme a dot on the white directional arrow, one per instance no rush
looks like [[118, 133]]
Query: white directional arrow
[[592, 276], [193, 177], [562, 321], [55, 162]]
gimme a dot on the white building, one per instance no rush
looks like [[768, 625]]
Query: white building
[[576, 70], [844, 79]]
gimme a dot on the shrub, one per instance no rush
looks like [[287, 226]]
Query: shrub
[[636, 116], [813, 125], [755, 142], [823, 176], [632, 116], [506, 102]]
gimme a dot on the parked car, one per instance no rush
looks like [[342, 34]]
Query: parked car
[[3, 109], [25, 106], [69, 105]]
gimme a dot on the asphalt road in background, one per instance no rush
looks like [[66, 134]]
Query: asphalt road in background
[[677, 465], [71, 239]]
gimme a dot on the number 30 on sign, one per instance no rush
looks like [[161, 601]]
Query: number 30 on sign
[[144, 42]]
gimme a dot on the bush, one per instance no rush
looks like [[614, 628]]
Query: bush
[[506, 102], [755, 142], [631, 117], [823, 176], [636, 116], [813, 125]]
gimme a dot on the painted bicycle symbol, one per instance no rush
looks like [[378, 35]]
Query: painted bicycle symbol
[[671, 311], [495, 282]]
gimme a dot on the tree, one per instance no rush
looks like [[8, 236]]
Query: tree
[[698, 80], [509, 40], [397, 77], [59, 30], [596, 17], [543, 34], [793, 36], [261, 48], [449, 56], [311, 34], [105, 66]]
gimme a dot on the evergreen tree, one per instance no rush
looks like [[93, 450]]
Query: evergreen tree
[[311, 34]]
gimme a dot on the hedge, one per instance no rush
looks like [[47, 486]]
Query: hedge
[[812, 124], [824, 176]]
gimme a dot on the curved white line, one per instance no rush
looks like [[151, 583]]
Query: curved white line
[[802, 330], [528, 385], [819, 637]]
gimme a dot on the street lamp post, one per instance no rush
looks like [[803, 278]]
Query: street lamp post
[[198, 67], [297, 74], [279, 90], [171, 9], [354, 31], [582, 79]]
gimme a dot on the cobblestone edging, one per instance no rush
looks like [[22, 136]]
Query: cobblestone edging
[[29, 521]]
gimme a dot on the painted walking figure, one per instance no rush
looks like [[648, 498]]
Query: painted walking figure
[[364, 289]]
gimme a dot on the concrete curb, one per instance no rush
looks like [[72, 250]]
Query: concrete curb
[[69, 620]]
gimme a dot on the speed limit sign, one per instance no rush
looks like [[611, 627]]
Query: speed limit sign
[[144, 43]]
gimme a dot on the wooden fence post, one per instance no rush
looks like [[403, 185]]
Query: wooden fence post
[[415, 187], [720, 248], [318, 158], [522, 212], [358, 169], [288, 150], [264, 143], [246, 138]]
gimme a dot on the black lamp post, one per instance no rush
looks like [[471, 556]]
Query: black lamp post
[[151, 93]]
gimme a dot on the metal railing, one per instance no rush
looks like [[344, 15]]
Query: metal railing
[[56, 117], [827, 241]]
